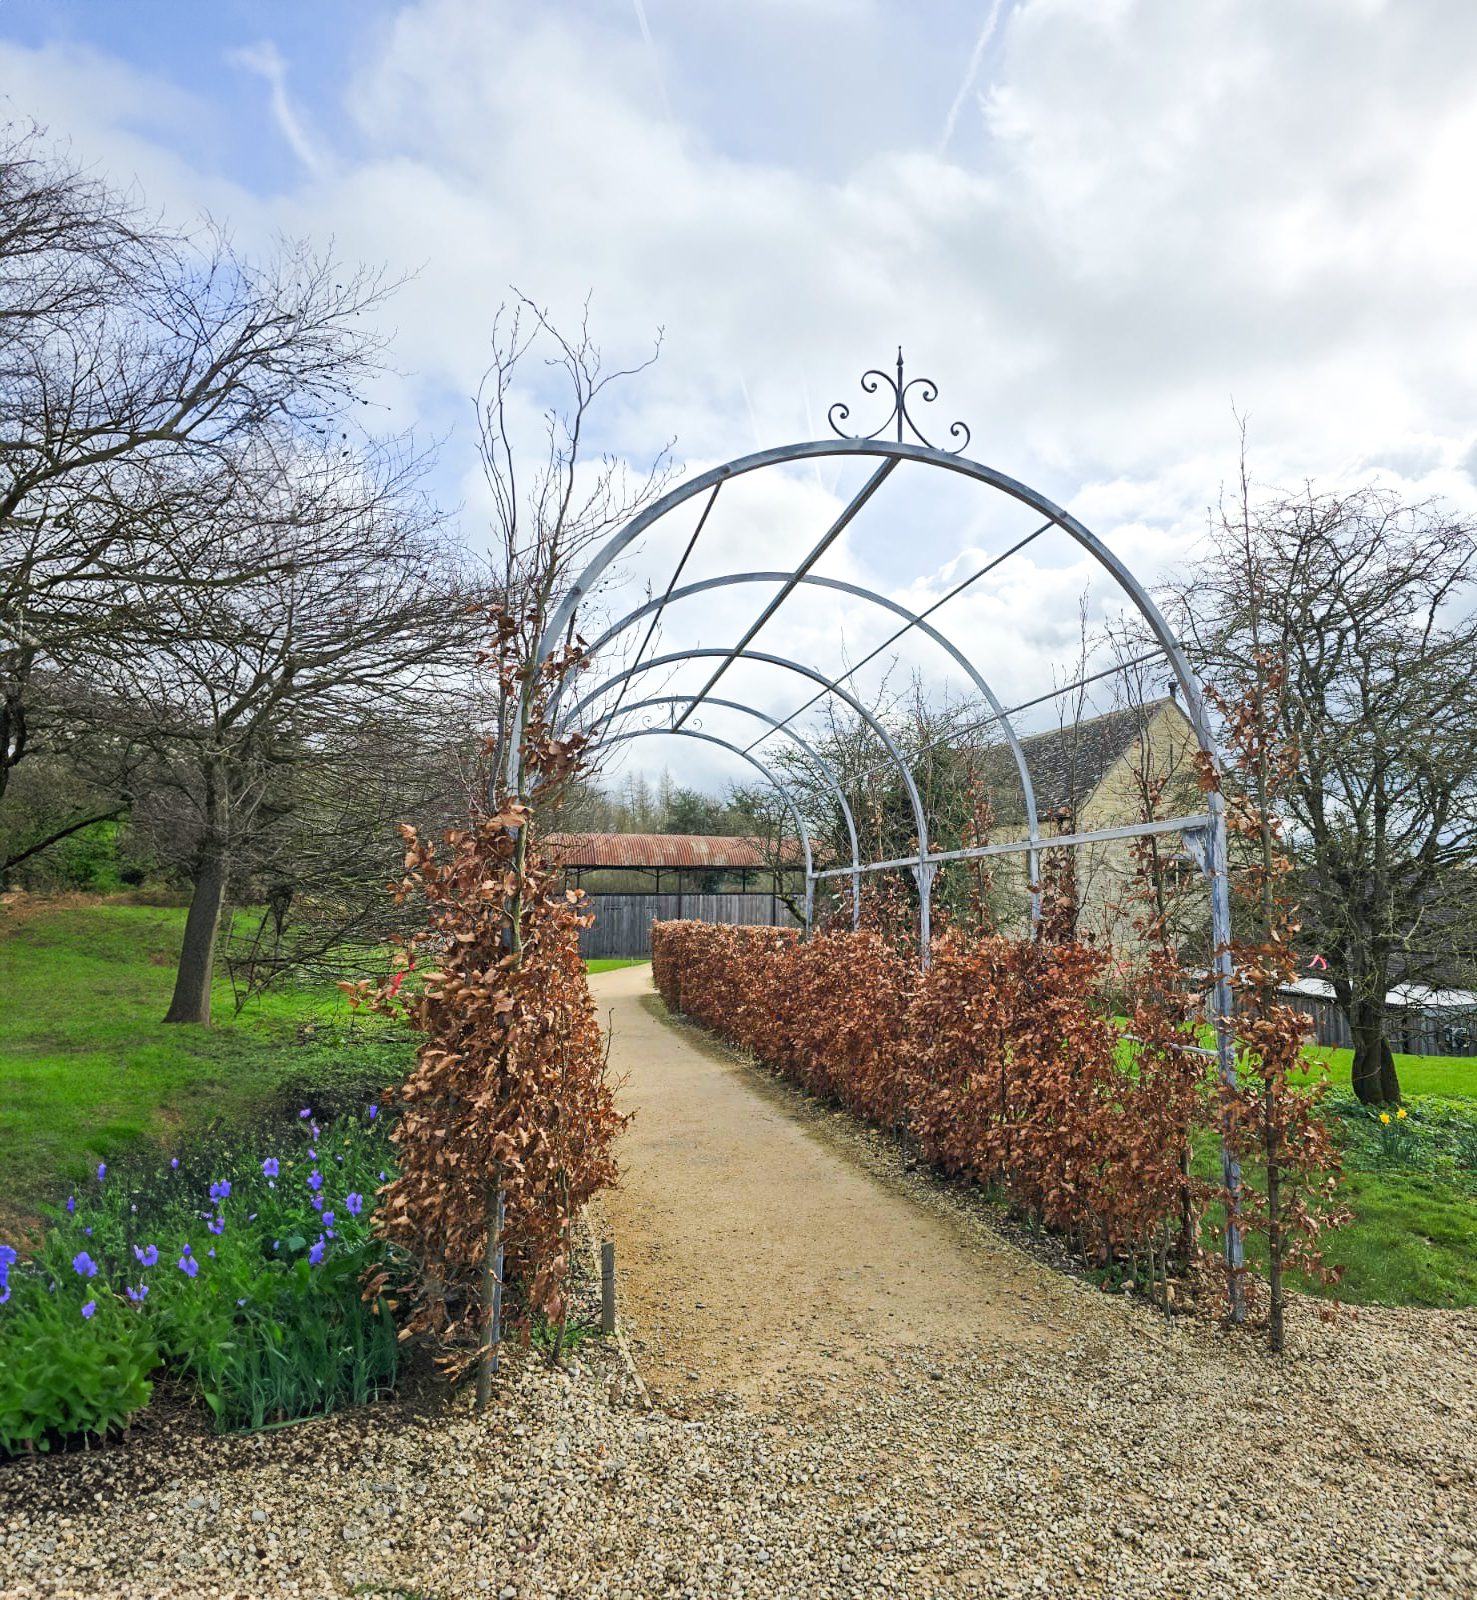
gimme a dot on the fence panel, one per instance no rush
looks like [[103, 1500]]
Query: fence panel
[[622, 926]]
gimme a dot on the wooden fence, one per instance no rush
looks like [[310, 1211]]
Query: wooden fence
[[1409, 1030], [622, 927]]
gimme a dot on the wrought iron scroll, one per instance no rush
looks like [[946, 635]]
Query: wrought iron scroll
[[899, 417]]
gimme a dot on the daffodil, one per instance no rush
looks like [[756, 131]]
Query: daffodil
[[1400, 1114], [1385, 1117]]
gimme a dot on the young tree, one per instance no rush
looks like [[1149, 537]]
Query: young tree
[[550, 507], [1365, 603]]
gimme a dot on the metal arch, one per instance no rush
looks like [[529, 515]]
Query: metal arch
[[780, 789], [1193, 703], [820, 761], [926, 628], [924, 871]]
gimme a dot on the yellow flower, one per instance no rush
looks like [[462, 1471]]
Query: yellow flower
[[1384, 1116], [1400, 1114]]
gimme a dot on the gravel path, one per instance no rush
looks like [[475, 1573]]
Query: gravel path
[[754, 1249], [1123, 1457]]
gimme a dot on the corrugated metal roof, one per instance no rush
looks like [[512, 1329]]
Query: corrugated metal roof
[[698, 851], [1413, 996]]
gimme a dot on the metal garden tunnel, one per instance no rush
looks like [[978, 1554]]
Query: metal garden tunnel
[[609, 694]]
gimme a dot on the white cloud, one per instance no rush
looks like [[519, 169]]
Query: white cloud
[[1159, 209]]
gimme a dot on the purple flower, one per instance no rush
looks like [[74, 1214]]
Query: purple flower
[[89, 1308], [88, 1232], [71, 1204], [305, 1112], [221, 1190], [147, 1254], [328, 1223], [102, 1170], [137, 1295], [270, 1169], [312, 1155], [251, 1216], [317, 1202], [353, 1203], [174, 1162], [315, 1179], [211, 1252], [7, 1261], [314, 1129], [188, 1264], [383, 1178], [216, 1225], [374, 1111], [83, 1265], [315, 1255]]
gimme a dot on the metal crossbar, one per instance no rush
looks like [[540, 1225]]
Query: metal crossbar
[[667, 595], [922, 616], [1025, 705], [834, 532], [1128, 830]]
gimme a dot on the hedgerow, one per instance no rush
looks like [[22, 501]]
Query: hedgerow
[[996, 1063]]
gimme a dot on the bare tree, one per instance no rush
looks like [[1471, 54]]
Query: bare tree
[[1364, 603], [552, 505], [136, 364], [267, 665]]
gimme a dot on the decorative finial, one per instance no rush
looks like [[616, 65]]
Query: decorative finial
[[872, 381]]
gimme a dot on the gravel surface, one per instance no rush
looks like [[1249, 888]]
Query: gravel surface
[[1113, 1453], [1145, 1460]]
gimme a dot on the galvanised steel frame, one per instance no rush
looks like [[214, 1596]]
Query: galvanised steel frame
[[1204, 832]]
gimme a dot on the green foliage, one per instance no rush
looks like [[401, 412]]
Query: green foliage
[[1413, 1195], [240, 1268], [578, 1331], [88, 860], [89, 1071], [61, 1377]]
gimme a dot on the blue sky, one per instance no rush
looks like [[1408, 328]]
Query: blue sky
[[1098, 224]]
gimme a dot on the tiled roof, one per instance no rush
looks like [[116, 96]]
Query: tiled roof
[[1067, 764]]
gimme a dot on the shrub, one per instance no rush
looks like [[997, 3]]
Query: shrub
[[57, 1382]]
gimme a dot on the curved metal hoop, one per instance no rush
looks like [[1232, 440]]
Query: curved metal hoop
[[824, 766], [904, 771], [779, 788], [1028, 792]]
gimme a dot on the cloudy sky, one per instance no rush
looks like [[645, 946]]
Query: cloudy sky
[[1099, 225]]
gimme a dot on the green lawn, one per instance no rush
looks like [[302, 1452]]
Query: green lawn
[[89, 1072], [1443, 1075], [610, 966]]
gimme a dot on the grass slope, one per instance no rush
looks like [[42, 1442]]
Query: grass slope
[[89, 1071]]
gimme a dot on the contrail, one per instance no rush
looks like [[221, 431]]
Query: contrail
[[656, 65], [971, 72]]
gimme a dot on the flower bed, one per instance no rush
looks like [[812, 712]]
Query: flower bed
[[237, 1267]]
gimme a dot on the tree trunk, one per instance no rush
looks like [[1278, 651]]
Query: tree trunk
[[1374, 1078], [191, 1002]]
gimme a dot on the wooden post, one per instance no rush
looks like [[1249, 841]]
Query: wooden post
[[607, 1287]]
